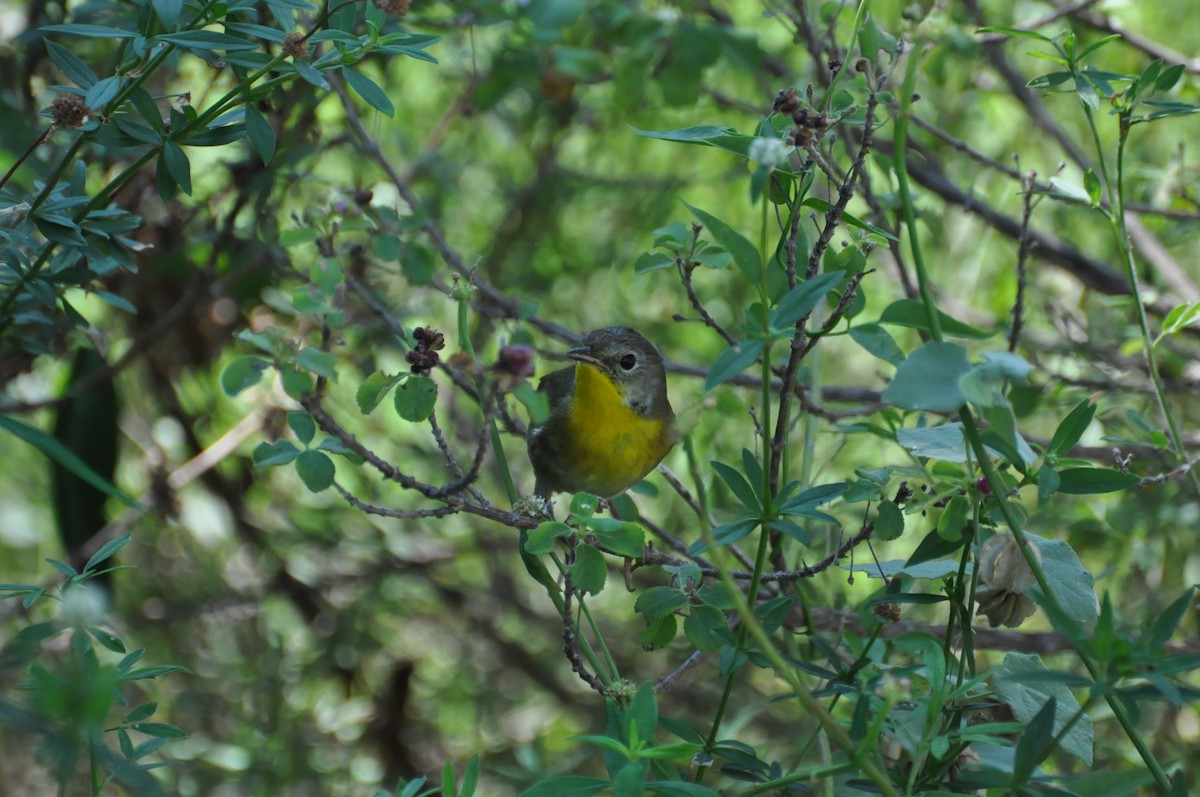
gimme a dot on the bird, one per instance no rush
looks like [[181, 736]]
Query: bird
[[609, 421]]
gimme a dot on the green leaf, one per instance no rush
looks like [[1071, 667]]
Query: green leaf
[[367, 89], [642, 714], [177, 165], [589, 570], [119, 302], [160, 729], [55, 450], [772, 613], [241, 373], [671, 752], [90, 31], [954, 518], [1165, 624], [1049, 79], [1181, 316], [676, 233], [701, 134], [652, 261], [417, 264], [630, 781], [626, 539], [1020, 33], [168, 11], [1094, 481], [1096, 45], [1036, 742], [1072, 427], [1028, 700], [260, 132], [316, 470], [566, 786], [889, 522], [1047, 482], [745, 493], [1074, 587], [372, 391], [911, 313], [281, 452], [79, 72], [658, 602], [733, 361], [878, 342], [703, 627], [142, 712], [541, 540], [928, 379], [727, 533], [1091, 184], [584, 505], [295, 236], [416, 398], [154, 672], [934, 546], [102, 93], [318, 362], [1086, 92], [823, 206], [310, 75], [801, 300], [1169, 77], [658, 633], [872, 39], [470, 779], [207, 40], [107, 550], [303, 426], [745, 254]]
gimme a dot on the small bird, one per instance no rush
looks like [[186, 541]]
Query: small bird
[[610, 421]]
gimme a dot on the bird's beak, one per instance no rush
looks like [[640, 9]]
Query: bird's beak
[[583, 354]]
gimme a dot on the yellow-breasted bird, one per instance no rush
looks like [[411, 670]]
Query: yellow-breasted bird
[[610, 421]]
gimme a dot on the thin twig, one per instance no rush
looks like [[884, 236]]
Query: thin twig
[[1018, 311]]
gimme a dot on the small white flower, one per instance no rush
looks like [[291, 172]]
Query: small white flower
[[84, 605], [770, 152]]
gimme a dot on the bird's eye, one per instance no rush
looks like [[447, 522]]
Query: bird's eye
[[628, 361]]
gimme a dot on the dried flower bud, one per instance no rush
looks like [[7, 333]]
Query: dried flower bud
[[424, 356], [396, 8], [861, 65], [515, 361], [1004, 575], [363, 197], [888, 611], [69, 110], [512, 367], [786, 101], [295, 45]]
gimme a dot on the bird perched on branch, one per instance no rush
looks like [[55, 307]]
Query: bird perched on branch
[[610, 422]]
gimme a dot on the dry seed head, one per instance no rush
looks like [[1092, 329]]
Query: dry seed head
[[396, 8], [295, 45], [69, 110]]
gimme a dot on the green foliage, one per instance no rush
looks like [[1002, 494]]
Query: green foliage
[[368, 221], [74, 690]]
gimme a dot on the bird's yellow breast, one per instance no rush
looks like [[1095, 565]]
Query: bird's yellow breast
[[610, 443]]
